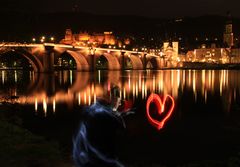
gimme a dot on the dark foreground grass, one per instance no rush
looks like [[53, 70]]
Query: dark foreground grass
[[20, 148]]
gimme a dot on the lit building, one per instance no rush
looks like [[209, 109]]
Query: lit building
[[228, 34], [170, 50], [235, 55], [96, 39], [214, 54], [209, 55]]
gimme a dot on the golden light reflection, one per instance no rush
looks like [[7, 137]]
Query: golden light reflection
[[209, 79], [184, 79], [89, 100], [94, 98], [71, 77], [129, 82], [178, 78], [3, 77], [124, 93], [145, 91], [79, 98], [92, 89], [172, 79], [136, 90], [143, 86], [213, 80], [140, 80], [203, 81], [194, 82], [99, 76], [36, 104], [189, 77], [45, 106], [54, 105], [134, 85], [15, 76], [133, 91], [85, 97]]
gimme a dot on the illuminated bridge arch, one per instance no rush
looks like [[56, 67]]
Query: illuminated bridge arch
[[33, 60], [136, 62], [82, 64], [113, 63], [154, 63]]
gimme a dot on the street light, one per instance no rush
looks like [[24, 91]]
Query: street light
[[42, 39], [52, 39], [34, 39]]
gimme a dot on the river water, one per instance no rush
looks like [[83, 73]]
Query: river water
[[204, 124]]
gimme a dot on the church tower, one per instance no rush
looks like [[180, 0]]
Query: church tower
[[228, 34]]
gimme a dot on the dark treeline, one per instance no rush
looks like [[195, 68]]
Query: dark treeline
[[21, 27]]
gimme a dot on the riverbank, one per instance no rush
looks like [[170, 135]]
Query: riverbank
[[21, 148]]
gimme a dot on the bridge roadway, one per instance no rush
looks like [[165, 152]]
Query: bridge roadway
[[41, 56]]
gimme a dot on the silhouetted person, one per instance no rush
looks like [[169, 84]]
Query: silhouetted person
[[94, 145]]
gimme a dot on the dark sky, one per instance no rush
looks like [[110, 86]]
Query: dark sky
[[150, 8]]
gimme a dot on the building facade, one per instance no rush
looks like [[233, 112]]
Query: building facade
[[95, 39], [209, 55], [228, 34]]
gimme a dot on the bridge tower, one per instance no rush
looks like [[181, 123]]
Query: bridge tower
[[228, 34]]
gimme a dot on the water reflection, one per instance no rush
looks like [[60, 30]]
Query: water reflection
[[82, 88]]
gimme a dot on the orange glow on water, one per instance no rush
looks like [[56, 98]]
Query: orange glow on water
[[45, 106], [79, 99], [54, 105], [133, 85], [36, 104], [154, 98]]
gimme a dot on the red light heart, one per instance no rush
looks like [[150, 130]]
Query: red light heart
[[154, 98]]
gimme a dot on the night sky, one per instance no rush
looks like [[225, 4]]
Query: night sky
[[149, 8]]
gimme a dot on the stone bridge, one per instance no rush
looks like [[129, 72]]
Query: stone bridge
[[41, 56]]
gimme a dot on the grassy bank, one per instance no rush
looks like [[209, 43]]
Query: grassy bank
[[21, 148]]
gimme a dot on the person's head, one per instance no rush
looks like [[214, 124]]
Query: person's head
[[115, 97]]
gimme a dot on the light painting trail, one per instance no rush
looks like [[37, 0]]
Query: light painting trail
[[154, 98]]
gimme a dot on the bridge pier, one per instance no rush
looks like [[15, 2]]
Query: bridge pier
[[92, 62], [92, 59], [48, 59], [122, 60], [144, 61]]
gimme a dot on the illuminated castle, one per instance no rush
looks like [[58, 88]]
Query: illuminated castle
[[96, 39]]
